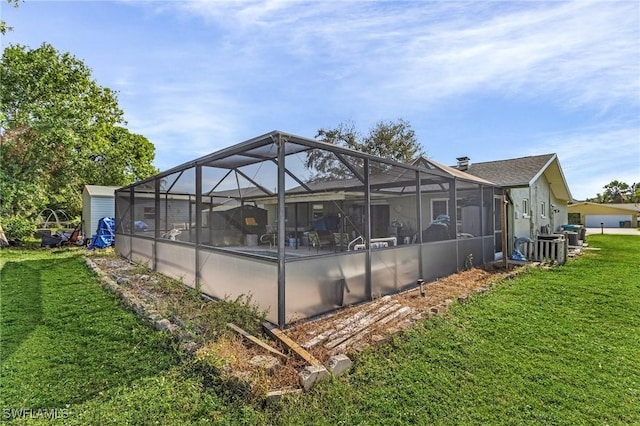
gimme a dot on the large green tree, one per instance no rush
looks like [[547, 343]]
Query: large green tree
[[59, 131], [386, 139]]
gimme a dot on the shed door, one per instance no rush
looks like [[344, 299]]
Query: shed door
[[608, 220], [101, 207]]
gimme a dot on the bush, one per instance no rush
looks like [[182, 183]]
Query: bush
[[17, 227]]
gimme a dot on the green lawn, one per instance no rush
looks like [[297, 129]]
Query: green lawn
[[558, 346], [68, 349]]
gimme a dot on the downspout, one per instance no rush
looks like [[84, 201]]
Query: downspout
[[503, 223], [508, 226]]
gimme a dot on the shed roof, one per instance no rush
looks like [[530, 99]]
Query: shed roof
[[100, 191]]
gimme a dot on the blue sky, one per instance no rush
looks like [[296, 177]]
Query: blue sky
[[489, 80]]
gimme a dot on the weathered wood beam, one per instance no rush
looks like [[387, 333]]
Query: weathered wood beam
[[279, 335], [254, 339]]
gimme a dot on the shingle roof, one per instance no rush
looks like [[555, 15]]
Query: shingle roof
[[454, 172], [622, 206], [512, 172]]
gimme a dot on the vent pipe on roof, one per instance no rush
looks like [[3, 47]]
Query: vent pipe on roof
[[463, 163]]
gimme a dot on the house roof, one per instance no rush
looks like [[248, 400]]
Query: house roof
[[619, 206], [523, 172], [100, 191], [454, 172], [625, 206], [511, 172]]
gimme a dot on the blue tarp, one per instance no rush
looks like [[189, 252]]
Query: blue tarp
[[327, 223], [105, 234], [516, 254]]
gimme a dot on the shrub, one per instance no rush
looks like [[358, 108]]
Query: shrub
[[17, 227]]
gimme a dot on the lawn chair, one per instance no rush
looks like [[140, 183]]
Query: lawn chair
[[315, 241], [340, 241]]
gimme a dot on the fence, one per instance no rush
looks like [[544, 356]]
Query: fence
[[546, 250]]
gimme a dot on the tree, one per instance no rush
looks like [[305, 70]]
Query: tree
[[120, 158], [58, 132], [635, 193], [616, 192], [3, 25], [391, 140], [395, 141]]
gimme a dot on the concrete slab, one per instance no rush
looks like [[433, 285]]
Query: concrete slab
[[613, 231], [311, 375], [339, 364], [267, 362], [275, 396]]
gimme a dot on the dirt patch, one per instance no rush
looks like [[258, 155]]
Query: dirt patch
[[199, 325], [372, 324]]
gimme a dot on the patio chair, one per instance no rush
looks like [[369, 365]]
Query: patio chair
[[315, 241], [340, 241]]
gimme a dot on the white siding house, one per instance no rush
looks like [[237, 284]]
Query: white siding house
[[536, 188], [97, 202]]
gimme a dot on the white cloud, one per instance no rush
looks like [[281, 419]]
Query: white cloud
[[584, 53], [263, 61], [183, 121], [593, 157]]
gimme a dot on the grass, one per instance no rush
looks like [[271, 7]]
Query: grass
[[66, 344], [557, 346]]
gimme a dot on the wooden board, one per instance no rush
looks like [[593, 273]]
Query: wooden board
[[278, 334], [254, 339]]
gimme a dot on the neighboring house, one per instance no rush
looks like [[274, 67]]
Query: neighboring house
[[97, 202], [536, 189], [594, 215]]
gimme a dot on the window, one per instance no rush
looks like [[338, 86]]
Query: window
[[525, 207], [439, 207], [543, 209], [318, 211]]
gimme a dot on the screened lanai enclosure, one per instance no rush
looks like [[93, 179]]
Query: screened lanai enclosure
[[306, 227]]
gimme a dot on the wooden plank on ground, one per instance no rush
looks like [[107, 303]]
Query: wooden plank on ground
[[351, 341], [329, 329], [319, 338], [337, 325], [346, 333], [278, 334], [254, 339]]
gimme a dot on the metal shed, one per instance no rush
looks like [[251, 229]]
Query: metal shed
[[327, 226], [97, 202]]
